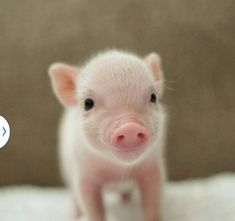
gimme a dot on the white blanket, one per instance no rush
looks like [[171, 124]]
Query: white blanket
[[211, 199]]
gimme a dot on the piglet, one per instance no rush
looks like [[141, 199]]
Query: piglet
[[112, 130]]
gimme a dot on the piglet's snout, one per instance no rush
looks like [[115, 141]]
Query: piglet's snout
[[129, 136]]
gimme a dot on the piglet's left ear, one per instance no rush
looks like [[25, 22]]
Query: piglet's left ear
[[153, 61], [63, 79]]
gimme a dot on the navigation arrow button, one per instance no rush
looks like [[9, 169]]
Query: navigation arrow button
[[4, 131]]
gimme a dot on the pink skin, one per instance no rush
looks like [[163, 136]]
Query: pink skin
[[120, 138], [129, 136]]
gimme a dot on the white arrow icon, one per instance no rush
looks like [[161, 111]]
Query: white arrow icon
[[4, 131]]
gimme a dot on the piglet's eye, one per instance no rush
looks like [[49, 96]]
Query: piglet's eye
[[153, 98], [89, 104]]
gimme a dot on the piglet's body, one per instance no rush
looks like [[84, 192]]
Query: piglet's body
[[112, 130]]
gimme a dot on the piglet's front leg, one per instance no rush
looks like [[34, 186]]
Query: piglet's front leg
[[91, 198], [150, 191]]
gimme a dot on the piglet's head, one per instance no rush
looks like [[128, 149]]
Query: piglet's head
[[116, 96]]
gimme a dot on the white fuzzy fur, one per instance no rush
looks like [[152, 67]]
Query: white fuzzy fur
[[73, 142]]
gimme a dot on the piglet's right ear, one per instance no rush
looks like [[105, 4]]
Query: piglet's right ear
[[63, 79], [153, 61]]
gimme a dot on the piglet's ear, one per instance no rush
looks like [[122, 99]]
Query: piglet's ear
[[63, 78], [153, 61]]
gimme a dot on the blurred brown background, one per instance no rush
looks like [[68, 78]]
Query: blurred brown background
[[194, 38]]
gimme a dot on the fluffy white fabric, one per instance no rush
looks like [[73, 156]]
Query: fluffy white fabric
[[211, 199]]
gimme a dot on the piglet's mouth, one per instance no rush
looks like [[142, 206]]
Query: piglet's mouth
[[127, 154], [125, 149]]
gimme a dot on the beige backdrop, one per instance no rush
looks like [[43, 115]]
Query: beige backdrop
[[194, 38]]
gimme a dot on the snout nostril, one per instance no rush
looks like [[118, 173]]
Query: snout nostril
[[129, 135], [140, 135], [120, 137]]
